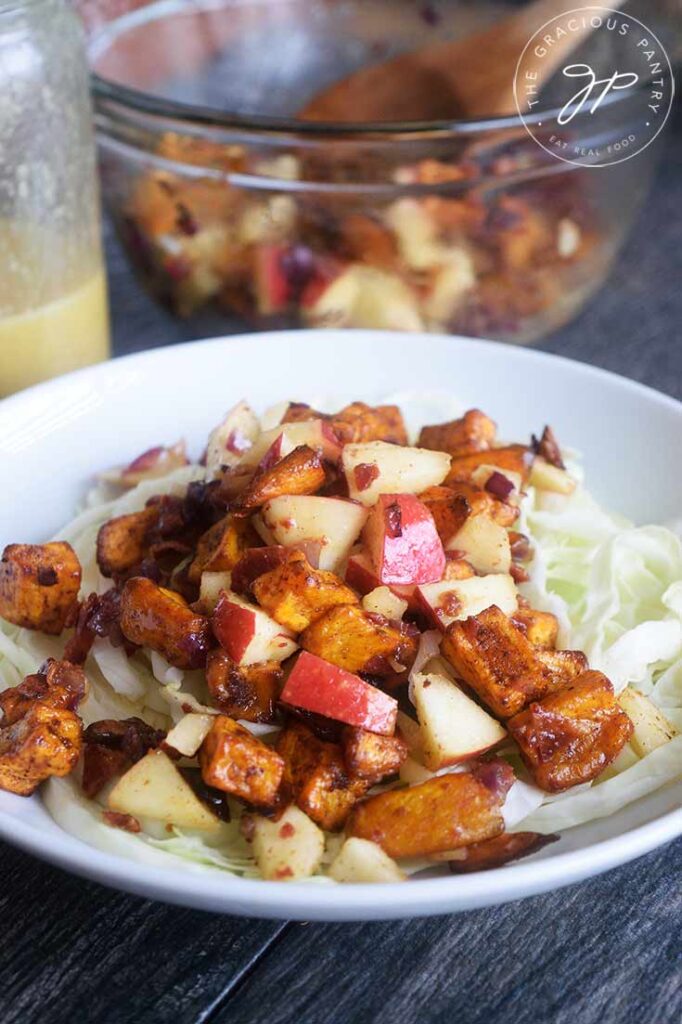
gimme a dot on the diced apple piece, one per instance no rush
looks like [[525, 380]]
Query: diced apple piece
[[451, 283], [454, 728], [378, 468], [458, 599], [363, 577], [247, 633], [417, 234], [316, 685], [651, 728], [362, 296], [189, 733], [360, 860], [286, 849], [274, 444], [212, 583], [547, 477], [403, 541], [483, 543], [335, 523], [273, 291], [154, 788], [383, 601], [231, 439], [410, 730]]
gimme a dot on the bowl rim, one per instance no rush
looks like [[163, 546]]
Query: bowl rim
[[301, 900]]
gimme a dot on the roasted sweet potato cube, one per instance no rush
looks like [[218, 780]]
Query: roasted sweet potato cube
[[154, 617], [444, 813], [371, 756], [359, 641], [235, 761], [299, 472], [565, 666], [517, 458], [493, 657], [221, 547], [295, 594], [540, 628], [571, 736], [45, 741], [122, 542], [58, 685], [493, 853], [474, 432], [39, 585], [358, 423], [243, 691], [452, 506], [318, 777]]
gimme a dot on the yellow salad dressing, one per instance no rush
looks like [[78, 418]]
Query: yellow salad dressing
[[47, 329]]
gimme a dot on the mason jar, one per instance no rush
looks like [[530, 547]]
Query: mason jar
[[53, 303]]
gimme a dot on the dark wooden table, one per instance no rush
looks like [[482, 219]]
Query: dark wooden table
[[606, 951]]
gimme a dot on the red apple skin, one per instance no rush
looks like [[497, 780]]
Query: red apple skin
[[272, 286], [427, 610], [254, 563], [316, 685], [234, 627], [361, 575], [403, 541]]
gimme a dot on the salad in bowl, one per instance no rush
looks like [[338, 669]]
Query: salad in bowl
[[331, 650]]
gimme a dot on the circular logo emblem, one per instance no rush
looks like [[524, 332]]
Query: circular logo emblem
[[606, 78]]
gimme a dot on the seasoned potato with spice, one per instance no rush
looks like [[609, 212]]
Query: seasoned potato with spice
[[295, 594], [319, 779], [371, 756], [493, 853], [39, 585], [358, 641], [234, 760], [152, 616], [358, 423], [516, 458], [243, 691], [444, 813], [540, 628], [474, 432], [299, 472], [122, 542], [221, 547], [571, 736], [45, 741], [494, 658]]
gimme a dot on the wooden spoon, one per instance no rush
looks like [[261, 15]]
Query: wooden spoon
[[468, 77]]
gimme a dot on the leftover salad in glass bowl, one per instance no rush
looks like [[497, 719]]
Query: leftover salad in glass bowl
[[328, 650]]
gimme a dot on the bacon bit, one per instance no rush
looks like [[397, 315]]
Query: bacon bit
[[284, 873], [520, 547], [497, 776], [518, 573], [499, 486], [123, 821], [185, 220], [548, 448], [365, 473], [287, 830], [47, 576], [427, 682], [450, 603], [394, 525]]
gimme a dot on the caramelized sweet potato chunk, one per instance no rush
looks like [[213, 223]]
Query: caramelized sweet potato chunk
[[493, 853], [221, 547], [371, 756], [517, 458], [299, 472], [112, 747], [45, 741], [236, 762], [122, 542], [243, 691], [318, 777], [571, 736], [444, 813], [295, 594], [540, 628], [39, 585], [358, 423], [59, 684], [452, 506], [565, 666], [359, 641], [494, 658], [474, 432], [152, 616]]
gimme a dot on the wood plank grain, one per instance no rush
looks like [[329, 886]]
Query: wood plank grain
[[75, 951], [598, 953]]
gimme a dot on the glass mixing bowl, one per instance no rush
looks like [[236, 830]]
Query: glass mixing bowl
[[226, 203]]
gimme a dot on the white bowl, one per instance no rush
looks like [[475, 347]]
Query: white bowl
[[55, 436]]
